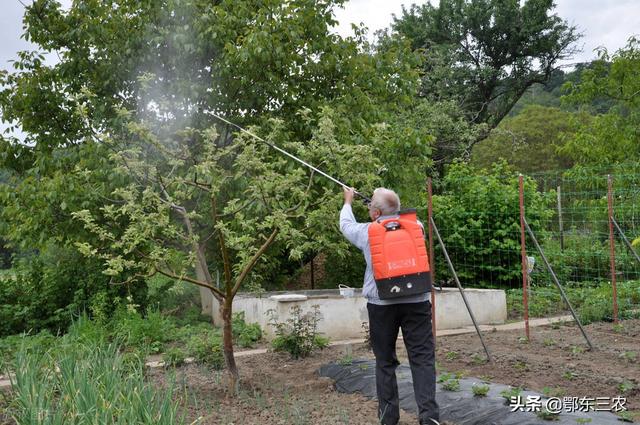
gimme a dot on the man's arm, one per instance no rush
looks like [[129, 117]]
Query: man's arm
[[356, 233]]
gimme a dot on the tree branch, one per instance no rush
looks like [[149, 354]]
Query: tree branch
[[253, 261], [223, 247], [216, 292]]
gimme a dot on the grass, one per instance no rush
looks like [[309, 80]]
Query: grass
[[478, 359], [554, 392], [510, 393], [65, 385], [173, 357], [451, 355], [593, 303], [346, 360], [626, 387], [139, 335], [451, 385]]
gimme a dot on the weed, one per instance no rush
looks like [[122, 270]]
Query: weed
[[207, 349], [451, 385], [363, 366], [583, 420], [130, 329], [548, 342], [445, 377], [554, 392], [523, 340], [451, 355], [346, 360], [478, 359], [480, 390], [461, 374], [511, 393], [569, 375], [618, 328], [520, 365], [629, 356], [547, 415], [625, 417], [625, 387], [246, 335], [576, 350], [485, 378], [173, 357]]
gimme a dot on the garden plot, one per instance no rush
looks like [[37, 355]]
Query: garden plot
[[277, 390]]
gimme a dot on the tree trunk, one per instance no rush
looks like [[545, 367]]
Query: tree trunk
[[227, 347]]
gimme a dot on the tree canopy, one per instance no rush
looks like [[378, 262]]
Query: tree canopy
[[485, 54], [610, 137]]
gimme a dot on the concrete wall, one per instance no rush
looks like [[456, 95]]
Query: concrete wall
[[342, 317]]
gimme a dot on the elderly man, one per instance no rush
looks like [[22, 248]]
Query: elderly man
[[411, 313]]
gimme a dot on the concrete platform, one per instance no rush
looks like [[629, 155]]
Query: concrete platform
[[342, 317]]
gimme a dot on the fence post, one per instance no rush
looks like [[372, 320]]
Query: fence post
[[612, 248], [561, 226], [523, 255], [432, 260]]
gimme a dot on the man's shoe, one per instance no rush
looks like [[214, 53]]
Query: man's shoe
[[429, 421]]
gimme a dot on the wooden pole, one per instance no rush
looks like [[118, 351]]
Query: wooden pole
[[523, 258], [560, 224], [432, 260], [612, 248], [313, 278]]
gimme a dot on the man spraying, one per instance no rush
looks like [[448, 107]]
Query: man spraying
[[396, 286]]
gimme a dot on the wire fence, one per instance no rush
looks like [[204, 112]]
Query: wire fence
[[478, 216]]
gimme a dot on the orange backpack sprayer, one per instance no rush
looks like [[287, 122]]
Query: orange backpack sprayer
[[399, 256]]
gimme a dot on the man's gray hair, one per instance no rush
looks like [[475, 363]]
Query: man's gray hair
[[386, 200]]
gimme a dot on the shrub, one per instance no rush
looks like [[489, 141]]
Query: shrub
[[245, 335], [45, 290], [132, 330], [479, 220], [87, 331], [66, 385], [298, 335], [31, 344], [173, 357], [207, 349]]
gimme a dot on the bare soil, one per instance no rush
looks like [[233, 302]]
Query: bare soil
[[278, 390], [557, 360]]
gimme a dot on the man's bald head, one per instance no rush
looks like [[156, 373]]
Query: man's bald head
[[385, 200]]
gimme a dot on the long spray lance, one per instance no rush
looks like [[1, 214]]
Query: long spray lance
[[295, 158]]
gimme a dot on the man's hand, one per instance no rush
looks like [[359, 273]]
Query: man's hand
[[348, 195]]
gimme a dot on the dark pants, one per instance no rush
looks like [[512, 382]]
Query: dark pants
[[415, 321]]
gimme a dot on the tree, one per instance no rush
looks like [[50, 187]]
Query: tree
[[485, 54], [198, 202], [530, 140], [121, 136], [610, 137]]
